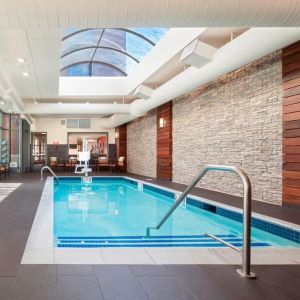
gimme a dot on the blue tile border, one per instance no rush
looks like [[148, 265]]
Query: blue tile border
[[159, 191], [207, 245], [134, 182], [201, 205], [276, 229], [98, 178]]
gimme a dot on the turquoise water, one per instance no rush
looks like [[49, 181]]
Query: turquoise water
[[115, 207]]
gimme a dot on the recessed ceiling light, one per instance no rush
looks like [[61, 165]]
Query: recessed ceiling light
[[59, 102], [9, 110], [20, 60], [87, 102], [25, 74], [1, 102], [115, 102]]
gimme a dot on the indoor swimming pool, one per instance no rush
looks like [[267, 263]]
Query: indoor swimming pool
[[115, 212]]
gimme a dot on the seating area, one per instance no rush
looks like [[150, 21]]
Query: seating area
[[97, 165], [4, 171]]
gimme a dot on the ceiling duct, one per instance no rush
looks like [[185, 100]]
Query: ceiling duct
[[197, 54], [246, 48], [76, 108], [143, 92]]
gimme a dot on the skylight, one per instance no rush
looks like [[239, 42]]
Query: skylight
[[106, 51]]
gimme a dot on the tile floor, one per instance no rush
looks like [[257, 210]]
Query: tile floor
[[130, 281]]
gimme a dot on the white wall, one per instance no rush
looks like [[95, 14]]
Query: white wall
[[59, 133]]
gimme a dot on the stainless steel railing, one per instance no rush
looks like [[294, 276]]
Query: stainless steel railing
[[246, 249], [50, 170]]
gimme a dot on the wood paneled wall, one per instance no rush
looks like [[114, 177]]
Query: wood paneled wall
[[121, 142], [291, 124], [164, 142]]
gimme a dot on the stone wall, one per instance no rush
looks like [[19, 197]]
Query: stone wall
[[141, 145], [235, 120]]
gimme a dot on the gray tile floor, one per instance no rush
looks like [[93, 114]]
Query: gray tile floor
[[131, 282]]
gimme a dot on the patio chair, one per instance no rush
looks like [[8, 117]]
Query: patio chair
[[53, 162], [102, 162], [4, 170]]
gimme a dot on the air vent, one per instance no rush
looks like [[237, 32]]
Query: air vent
[[84, 123], [78, 123]]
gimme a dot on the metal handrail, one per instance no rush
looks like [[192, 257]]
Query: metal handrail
[[51, 171], [246, 249]]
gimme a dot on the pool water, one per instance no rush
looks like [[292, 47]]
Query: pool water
[[105, 212]]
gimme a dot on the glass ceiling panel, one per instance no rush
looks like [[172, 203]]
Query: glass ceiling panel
[[153, 34], [105, 70], [82, 39], [117, 59], [120, 49], [82, 69], [76, 57]]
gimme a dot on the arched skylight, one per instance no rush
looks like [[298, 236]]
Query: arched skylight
[[106, 51]]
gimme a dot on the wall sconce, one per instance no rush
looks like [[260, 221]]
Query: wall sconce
[[55, 144], [162, 122], [117, 135]]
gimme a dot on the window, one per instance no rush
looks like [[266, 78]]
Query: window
[[106, 51]]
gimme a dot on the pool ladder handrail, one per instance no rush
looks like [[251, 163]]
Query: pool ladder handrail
[[247, 193], [50, 170]]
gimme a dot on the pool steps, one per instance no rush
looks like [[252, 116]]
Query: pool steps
[[153, 241]]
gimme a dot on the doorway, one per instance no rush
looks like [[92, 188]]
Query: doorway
[[38, 150]]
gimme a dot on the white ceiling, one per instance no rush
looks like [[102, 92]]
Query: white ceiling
[[41, 50], [147, 13], [31, 29]]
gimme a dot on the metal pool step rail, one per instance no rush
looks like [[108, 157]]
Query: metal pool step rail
[[246, 249], [50, 170], [202, 241]]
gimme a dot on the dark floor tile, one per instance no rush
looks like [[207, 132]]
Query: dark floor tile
[[78, 288], [197, 281], [14, 238], [38, 272], [223, 282], [36, 282], [74, 270], [6, 288], [5, 224], [10, 258], [148, 270], [118, 282], [32, 290], [164, 287], [19, 221]]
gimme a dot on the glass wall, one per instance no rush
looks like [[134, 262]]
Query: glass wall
[[10, 138], [4, 139], [15, 138]]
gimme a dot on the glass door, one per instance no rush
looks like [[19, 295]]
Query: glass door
[[39, 145]]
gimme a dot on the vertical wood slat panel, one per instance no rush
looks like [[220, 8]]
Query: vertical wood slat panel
[[164, 142], [291, 125]]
